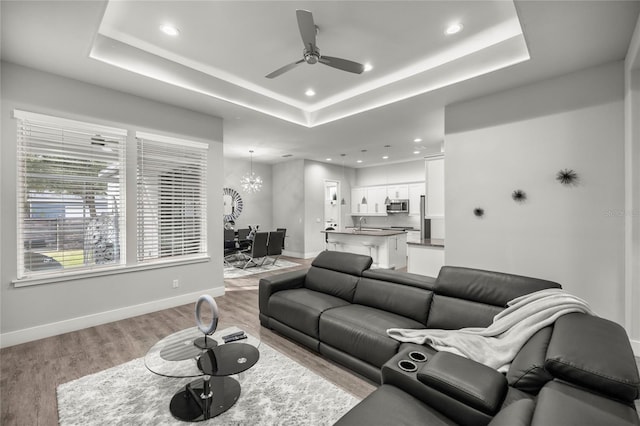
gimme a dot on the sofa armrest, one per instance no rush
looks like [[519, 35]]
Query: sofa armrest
[[470, 382], [458, 411], [594, 353], [270, 285]]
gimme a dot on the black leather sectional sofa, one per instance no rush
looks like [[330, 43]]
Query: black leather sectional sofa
[[581, 370]]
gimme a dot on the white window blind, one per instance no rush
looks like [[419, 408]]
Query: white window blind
[[171, 198], [71, 197]]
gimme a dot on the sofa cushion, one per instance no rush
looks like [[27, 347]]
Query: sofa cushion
[[389, 405], [410, 302], [450, 313], [599, 358], [335, 283], [349, 263], [494, 288], [406, 278], [361, 331], [527, 371], [517, 414], [562, 404], [301, 308]]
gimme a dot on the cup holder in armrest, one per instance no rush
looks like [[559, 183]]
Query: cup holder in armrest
[[408, 366], [417, 356]]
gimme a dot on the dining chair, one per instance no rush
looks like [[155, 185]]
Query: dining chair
[[258, 249], [284, 234], [230, 248], [274, 246], [243, 241]]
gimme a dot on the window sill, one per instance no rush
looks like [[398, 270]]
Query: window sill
[[99, 272]]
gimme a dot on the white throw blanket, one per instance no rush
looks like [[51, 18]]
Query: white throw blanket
[[498, 344]]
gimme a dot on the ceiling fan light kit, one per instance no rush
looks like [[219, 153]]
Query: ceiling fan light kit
[[311, 53]]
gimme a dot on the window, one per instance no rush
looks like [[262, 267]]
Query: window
[[71, 189], [171, 198]]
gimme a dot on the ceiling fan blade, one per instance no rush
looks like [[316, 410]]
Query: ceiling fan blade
[[284, 69], [342, 64], [307, 29]]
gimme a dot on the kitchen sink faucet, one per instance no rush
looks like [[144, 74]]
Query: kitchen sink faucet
[[362, 219]]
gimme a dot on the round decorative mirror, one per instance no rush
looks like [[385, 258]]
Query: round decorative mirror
[[232, 204]]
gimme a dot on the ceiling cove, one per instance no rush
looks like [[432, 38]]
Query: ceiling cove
[[225, 49]]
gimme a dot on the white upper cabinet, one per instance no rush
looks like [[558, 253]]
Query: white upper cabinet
[[398, 192], [375, 197], [357, 194]]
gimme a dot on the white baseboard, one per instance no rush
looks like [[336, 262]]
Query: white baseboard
[[53, 329], [635, 345]]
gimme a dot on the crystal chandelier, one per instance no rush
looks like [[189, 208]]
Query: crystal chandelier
[[251, 182]]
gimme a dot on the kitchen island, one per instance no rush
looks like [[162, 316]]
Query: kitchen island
[[387, 248], [426, 257]]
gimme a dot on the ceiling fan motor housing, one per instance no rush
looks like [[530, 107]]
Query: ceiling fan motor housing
[[311, 56]]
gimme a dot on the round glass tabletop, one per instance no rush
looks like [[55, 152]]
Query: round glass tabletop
[[177, 354]]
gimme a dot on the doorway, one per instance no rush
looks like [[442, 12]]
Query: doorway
[[332, 205]]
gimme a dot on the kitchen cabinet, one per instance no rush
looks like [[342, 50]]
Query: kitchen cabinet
[[388, 249], [425, 258], [415, 191], [375, 197], [356, 201], [398, 192]]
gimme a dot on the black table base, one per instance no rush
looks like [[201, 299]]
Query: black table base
[[204, 399]]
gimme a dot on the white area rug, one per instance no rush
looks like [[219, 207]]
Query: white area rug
[[233, 272], [276, 391]]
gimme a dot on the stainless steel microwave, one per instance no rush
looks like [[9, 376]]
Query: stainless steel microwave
[[398, 206]]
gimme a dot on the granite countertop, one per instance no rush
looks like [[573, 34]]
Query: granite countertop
[[370, 233], [429, 242]]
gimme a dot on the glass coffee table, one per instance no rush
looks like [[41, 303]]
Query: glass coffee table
[[214, 392]]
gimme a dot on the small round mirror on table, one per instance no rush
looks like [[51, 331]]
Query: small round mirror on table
[[207, 327]]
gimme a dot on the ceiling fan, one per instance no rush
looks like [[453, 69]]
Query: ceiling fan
[[311, 53]]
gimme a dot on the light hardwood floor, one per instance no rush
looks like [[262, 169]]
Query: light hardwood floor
[[30, 373]]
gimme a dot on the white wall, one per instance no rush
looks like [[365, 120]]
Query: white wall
[[257, 209], [632, 189], [519, 139], [33, 312], [288, 204]]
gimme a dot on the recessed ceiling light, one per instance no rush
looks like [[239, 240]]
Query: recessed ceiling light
[[368, 67], [416, 152], [417, 140], [169, 30], [385, 157], [328, 159], [359, 161], [310, 92], [453, 28]]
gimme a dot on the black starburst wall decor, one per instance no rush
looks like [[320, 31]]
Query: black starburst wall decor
[[519, 195], [567, 177], [478, 212]]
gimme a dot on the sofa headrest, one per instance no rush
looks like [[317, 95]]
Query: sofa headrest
[[595, 353], [494, 288], [406, 278], [349, 263]]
